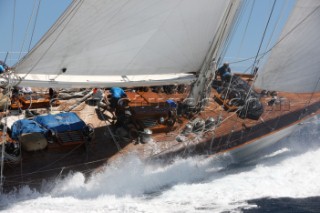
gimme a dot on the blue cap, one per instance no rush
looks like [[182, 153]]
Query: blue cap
[[171, 103], [2, 69]]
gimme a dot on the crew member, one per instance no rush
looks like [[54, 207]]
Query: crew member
[[225, 72], [116, 94], [3, 67]]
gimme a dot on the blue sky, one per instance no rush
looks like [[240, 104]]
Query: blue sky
[[248, 36], [245, 42], [49, 11]]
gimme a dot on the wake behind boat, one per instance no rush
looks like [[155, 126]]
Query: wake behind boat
[[186, 106]]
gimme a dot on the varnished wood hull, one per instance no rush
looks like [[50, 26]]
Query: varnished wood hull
[[240, 137]]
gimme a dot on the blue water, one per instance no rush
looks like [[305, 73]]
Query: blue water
[[284, 178]]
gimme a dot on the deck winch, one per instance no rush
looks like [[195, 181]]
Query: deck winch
[[198, 125], [145, 136], [209, 124], [187, 129]]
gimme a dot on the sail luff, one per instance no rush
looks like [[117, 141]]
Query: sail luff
[[201, 88], [293, 65], [137, 37]]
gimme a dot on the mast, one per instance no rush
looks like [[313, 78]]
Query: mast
[[200, 89]]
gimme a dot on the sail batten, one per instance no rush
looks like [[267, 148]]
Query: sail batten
[[294, 65], [136, 37]]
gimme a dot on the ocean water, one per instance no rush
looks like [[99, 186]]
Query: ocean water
[[284, 178]]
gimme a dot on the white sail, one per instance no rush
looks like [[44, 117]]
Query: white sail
[[294, 64], [108, 42]]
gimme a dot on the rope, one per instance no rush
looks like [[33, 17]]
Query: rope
[[264, 33], [79, 3], [226, 95], [280, 40], [13, 26], [28, 25], [3, 141], [247, 99], [277, 23], [292, 30], [34, 26], [246, 28], [110, 132], [234, 23], [75, 148]]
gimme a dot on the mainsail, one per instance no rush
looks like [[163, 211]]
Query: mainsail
[[294, 64], [107, 42]]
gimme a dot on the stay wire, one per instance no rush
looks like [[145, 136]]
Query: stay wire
[[235, 24], [281, 39], [264, 34], [13, 28], [248, 99], [286, 35], [51, 30], [34, 25], [27, 29], [4, 134], [246, 28], [280, 17]]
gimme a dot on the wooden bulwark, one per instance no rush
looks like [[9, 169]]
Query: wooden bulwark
[[231, 132], [32, 101]]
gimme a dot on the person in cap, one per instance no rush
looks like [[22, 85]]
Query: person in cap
[[116, 94], [3, 67], [225, 72]]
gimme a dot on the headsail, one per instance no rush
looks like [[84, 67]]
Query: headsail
[[117, 42], [294, 64]]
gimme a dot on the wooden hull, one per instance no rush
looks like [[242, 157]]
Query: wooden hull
[[240, 137]]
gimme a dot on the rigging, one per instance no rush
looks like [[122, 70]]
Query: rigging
[[27, 29], [34, 25], [256, 61], [246, 28]]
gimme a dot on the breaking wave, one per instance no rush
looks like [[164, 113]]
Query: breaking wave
[[215, 184]]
